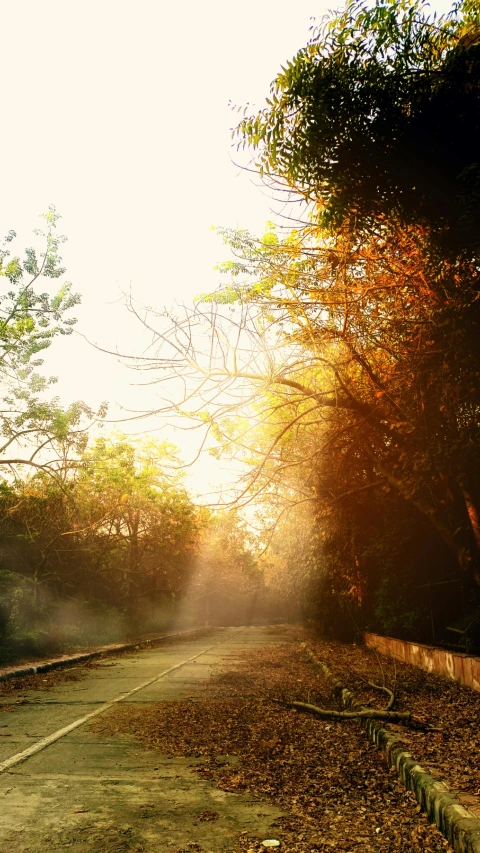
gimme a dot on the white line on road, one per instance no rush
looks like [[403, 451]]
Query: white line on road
[[46, 741]]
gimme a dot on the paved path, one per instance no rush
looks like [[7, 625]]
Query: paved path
[[83, 792]]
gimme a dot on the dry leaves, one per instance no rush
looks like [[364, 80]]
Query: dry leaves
[[453, 754]]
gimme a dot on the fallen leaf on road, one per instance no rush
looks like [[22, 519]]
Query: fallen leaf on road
[[209, 815]]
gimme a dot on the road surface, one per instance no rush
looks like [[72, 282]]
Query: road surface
[[64, 787]]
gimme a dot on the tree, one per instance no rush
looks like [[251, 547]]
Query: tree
[[377, 120], [134, 507], [34, 431], [339, 366], [339, 346], [118, 531], [227, 584]]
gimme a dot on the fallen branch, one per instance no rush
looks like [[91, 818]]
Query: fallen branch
[[366, 713], [390, 694], [355, 709]]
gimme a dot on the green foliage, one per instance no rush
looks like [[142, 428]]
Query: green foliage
[[117, 536], [376, 119], [397, 613], [30, 320]]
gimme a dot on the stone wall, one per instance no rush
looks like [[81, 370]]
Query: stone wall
[[460, 667]]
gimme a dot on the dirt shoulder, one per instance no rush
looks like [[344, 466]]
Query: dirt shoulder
[[333, 784]]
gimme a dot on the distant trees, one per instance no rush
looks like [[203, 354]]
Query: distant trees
[[120, 530], [117, 546], [227, 585], [140, 519], [98, 536]]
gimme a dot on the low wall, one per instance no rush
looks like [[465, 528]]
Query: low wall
[[460, 667]]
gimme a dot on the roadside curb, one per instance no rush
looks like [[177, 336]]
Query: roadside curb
[[58, 663], [459, 825]]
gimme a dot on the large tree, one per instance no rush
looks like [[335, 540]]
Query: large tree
[[338, 348]]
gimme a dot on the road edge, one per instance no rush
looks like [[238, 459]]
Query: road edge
[[58, 663]]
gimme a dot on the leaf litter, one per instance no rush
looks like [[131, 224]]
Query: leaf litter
[[451, 754], [335, 788]]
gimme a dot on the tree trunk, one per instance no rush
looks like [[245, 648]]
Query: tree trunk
[[451, 518], [472, 507], [133, 552]]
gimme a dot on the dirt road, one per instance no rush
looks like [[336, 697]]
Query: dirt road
[[87, 793]]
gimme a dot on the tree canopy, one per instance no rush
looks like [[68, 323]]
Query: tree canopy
[[339, 348], [377, 119], [36, 430]]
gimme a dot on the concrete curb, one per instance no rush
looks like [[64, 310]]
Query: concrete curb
[[58, 663], [459, 825]]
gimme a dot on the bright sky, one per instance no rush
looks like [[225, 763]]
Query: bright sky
[[117, 113]]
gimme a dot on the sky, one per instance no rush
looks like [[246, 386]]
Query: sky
[[118, 114]]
